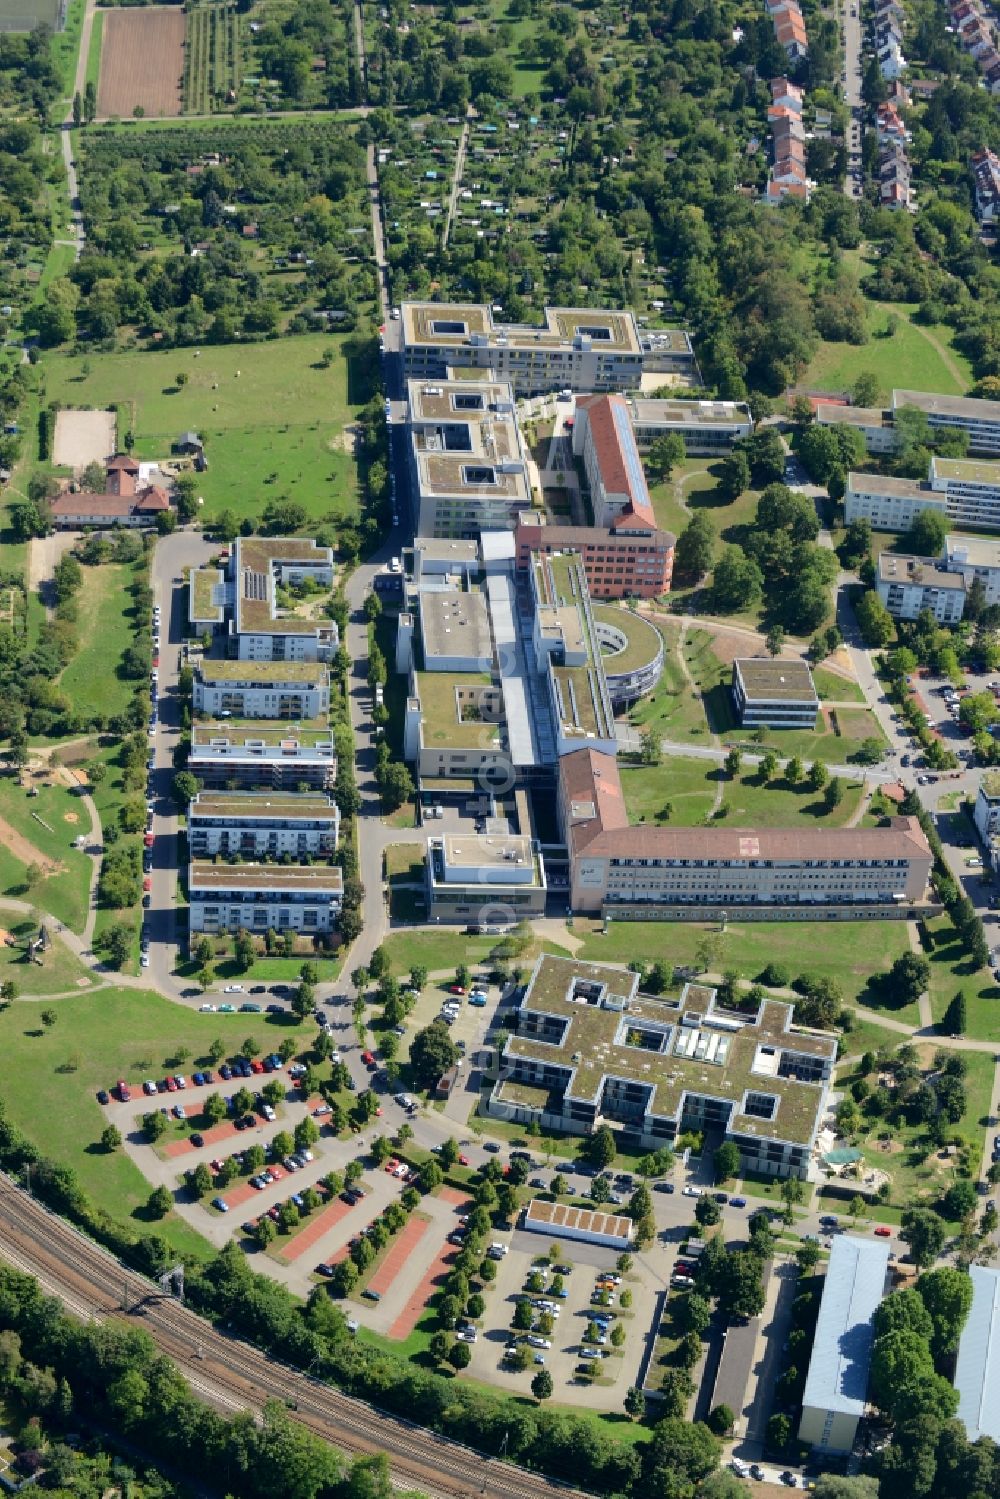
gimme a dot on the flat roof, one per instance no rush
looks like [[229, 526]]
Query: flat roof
[[254, 560], [453, 324], [207, 593], [842, 1344], [478, 850], [963, 407], [244, 806], [830, 413], [774, 679], [966, 470], [455, 623], [975, 551], [564, 606], [700, 1049], [917, 572], [689, 413], [442, 724], [449, 401], [441, 550], [304, 878], [558, 1215], [643, 639], [990, 784], [311, 733], [263, 671], [888, 484], [977, 1372]]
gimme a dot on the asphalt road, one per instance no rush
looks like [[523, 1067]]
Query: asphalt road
[[851, 24]]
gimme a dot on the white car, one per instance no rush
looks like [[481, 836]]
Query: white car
[[539, 1342], [207, 1008], [233, 989], [692, 1192], [144, 960]]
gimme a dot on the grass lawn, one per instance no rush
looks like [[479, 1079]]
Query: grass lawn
[[94, 51], [689, 786], [49, 1077], [830, 684], [823, 743], [58, 972], [848, 951], [63, 893], [866, 1035], [676, 709], [912, 349], [953, 969], [299, 448], [672, 497], [105, 628]]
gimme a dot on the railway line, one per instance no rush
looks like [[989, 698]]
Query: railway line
[[231, 1375]]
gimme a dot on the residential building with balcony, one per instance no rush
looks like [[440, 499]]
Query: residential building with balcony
[[261, 689], [230, 756], [909, 585], [262, 825], [288, 897]]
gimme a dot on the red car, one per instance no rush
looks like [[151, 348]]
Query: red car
[[147, 883], [171, 1085], [463, 1160], [147, 839], [256, 1065], [457, 989], [123, 1090], [368, 1059], [882, 1232]]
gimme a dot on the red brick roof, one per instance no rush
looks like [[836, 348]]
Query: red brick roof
[[591, 794], [150, 501], [902, 839], [606, 433]]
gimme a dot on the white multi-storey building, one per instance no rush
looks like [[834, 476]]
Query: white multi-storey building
[[261, 689], [909, 585], [262, 825], [256, 897], [777, 693], [972, 490], [887, 503], [981, 419], [254, 595], [977, 559]]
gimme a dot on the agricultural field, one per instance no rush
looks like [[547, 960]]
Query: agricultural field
[[273, 416], [212, 56], [142, 61]]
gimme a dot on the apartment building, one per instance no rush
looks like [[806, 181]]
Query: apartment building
[[836, 1392], [987, 815], [977, 1369], [588, 1050], [581, 349], [262, 825], [972, 490], [467, 461], [252, 602], [981, 419], [269, 756], [492, 878], [888, 503], [256, 897], [774, 693], [874, 424], [909, 585], [707, 427], [977, 559], [261, 689], [633, 559], [698, 873]]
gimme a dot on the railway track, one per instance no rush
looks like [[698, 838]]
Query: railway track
[[233, 1375]]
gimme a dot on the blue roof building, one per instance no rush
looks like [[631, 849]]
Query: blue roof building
[[837, 1384]]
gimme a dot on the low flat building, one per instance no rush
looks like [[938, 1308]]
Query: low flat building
[[634, 559], [467, 461], [251, 756], [909, 585], [588, 1049], [581, 349], [631, 653], [836, 1389], [977, 1371], [453, 726], [888, 503], [697, 874], [977, 558], [561, 1220], [707, 427], [874, 424], [256, 897], [980, 419], [487, 879], [566, 644], [455, 630], [774, 693], [206, 598], [262, 825], [261, 689]]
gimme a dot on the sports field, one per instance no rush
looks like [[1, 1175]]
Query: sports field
[[25, 15], [271, 416]]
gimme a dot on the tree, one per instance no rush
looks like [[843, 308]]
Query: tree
[[707, 1211], [159, 1202], [954, 1020], [542, 1386], [432, 1052], [774, 640], [523, 1316], [794, 770], [732, 763], [959, 1200], [899, 1358], [818, 776], [874, 620], [48, 1018], [727, 1161], [201, 1179], [834, 793], [693, 1313], [665, 454], [721, 1420], [154, 1125], [460, 1355], [908, 977], [677, 1456], [111, 1139], [214, 1108], [185, 787], [924, 1232], [927, 533], [650, 751], [737, 582], [601, 1148], [836, 1486], [695, 547], [739, 1287], [635, 1404], [768, 765], [947, 1295], [77, 109]]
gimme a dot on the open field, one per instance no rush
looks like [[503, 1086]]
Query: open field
[[49, 1076], [848, 951], [689, 786], [93, 73], [105, 629], [211, 55], [58, 972], [912, 348], [64, 892], [142, 60], [271, 416], [952, 969]]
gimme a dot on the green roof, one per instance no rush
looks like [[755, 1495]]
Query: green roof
[[204, 581], [595, 1045], [308, 731], [263, 671], [442, 724], [643, 639]]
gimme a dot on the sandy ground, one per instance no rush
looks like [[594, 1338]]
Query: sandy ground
[[19, 846], [83, 437], [43, 554]]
